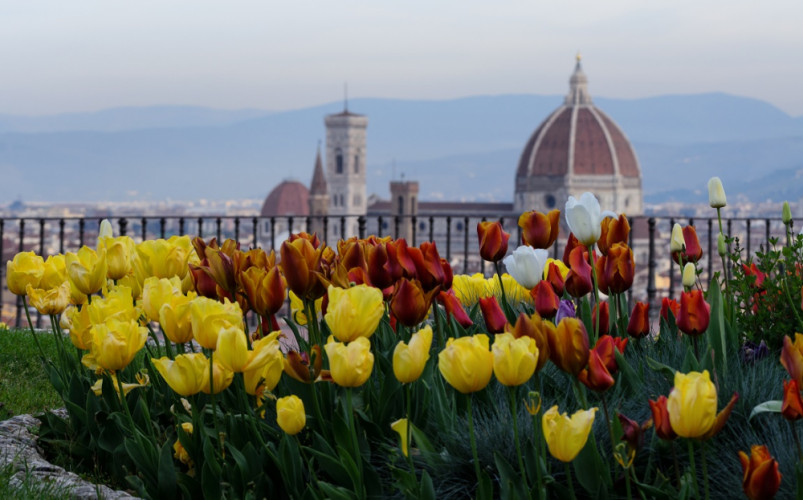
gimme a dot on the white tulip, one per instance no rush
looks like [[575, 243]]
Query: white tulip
[[526, 265], [678, 241], [689, 275], [716, 193], [584, 217]]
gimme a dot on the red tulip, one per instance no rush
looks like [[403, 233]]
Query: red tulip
[[578, 281], [428, 265], [495, 320], [454, 308], [639, 324], [555, 278], [605, 347], [660, 418], [667, 305], [613, 231], [410, 304], [596, 376], [620, 268], [693, 251], [571, 243], [604, 317], [694, 314], [545, 298], [493, 241], [568, 345], [539, 230]]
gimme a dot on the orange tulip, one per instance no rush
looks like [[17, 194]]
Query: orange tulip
[[545, 298], [613, 231], [639, 324], [265, 290], [792, 408], [571, 243], [410, 304], [596, 376], [539, 230], [578, 281], [792, 357], [351, 253], [495, 320], [535, 328], [694, 314], [761, 478], [300, 367], [620, 268], [376, 261], [493, 241], [568, 345], [428, 266], [693, 251], [300, 265], [668, 305], [605, 347], [400, 262], [555, 278], [660, 417], [604, 317], [454, 308]]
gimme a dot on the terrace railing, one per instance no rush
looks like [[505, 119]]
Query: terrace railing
[[454, 234]]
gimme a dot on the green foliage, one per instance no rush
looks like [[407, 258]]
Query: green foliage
[[24, 385]]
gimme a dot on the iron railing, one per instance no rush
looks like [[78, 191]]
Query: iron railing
[[454, 234]]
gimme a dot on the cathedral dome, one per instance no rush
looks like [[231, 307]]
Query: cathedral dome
[[578, 139], [288, 198], [578, 148]]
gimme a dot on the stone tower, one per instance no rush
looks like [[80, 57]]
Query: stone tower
[[404, 204], [318, 197], [345, 171]]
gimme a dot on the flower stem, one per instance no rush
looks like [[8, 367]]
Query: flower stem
[[212, 396], [596, 290], [473, 438], [705, 471], [30, 325], [608, 422], [355, 444], [569, 480], [514, 413], [693, 468], [408, 438], [580, 393], [627, 484]]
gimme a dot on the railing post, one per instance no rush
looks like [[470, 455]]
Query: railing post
[[309, 225], [748, 238], [162, 224], [2, 268], [396, 227], [767, 223], [651, 262], [343, 227], [42, 254], [325, 228], [414, 222], [482, 261], [123, 223], [671, 266], [144, 228], [730, 232], [273, 233], [181, 226], [432, 229], [361, 226], [465, 246], [449, 238], [61, 236], [21, 248], [237, 229], [379, 221], [630, 222], [290, 223], [201, 227], [218, 229], [254, 242], [81, 227], [710, 247]]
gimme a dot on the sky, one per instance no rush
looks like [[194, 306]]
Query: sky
[[81, 55]]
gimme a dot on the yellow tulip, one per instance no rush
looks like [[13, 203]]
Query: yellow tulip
[[87, 269], [566, 436], [354, 312], [105, 231], [52, 301], [157, 292], [232, 350], [166, 258], [116, 304], [515, 359], [401, 426], [466, 363], [118, 256], [692, 404], [76, 296], [267, 376], [222, 377], [114, 344], [513, 290], [470, 289], [136, 278], [290, 414], [25, 269], [55, 272], [350, 364], [142, 381], [78, 323], [175, 318], [186, 374], [179, 453], [209, 317], [410, 360]]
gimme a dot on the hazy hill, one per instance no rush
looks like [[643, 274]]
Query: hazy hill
[[459, 149]]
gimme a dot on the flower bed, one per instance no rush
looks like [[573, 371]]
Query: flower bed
[[407, 381]]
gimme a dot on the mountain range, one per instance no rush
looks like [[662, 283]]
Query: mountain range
[[459, 149]]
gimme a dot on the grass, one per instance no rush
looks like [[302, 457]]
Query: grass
[[24, 385], [28, 488]]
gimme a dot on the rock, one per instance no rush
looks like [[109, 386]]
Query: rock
[[18, 449]]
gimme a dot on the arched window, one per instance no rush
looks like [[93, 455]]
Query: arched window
[[356, 164], [338, 161], [401, 205]]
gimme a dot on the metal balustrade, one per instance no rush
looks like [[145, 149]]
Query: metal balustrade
[[649, 239]]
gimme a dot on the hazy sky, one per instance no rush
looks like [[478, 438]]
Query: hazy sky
[[58, 55]]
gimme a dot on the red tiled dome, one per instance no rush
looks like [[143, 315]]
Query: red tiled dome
[[288, 198], [578, 139]]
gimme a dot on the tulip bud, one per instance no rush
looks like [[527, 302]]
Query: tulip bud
[[716, 193], [493, 241], [689, 275], [493, 315], [677, 242], [722, 246], [401, 427], [792, 407], [565, 436], [290, 414], [761, 478], [694, 314], [692, 404], [786, 213]]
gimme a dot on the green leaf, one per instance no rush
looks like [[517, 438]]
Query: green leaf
[[667, 371], [766, 407], [210, 482], [591, 471], [485, 488], [717, 334], [167, 472], [510, 481], [627, 373], [335, 492], [427, 490]]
